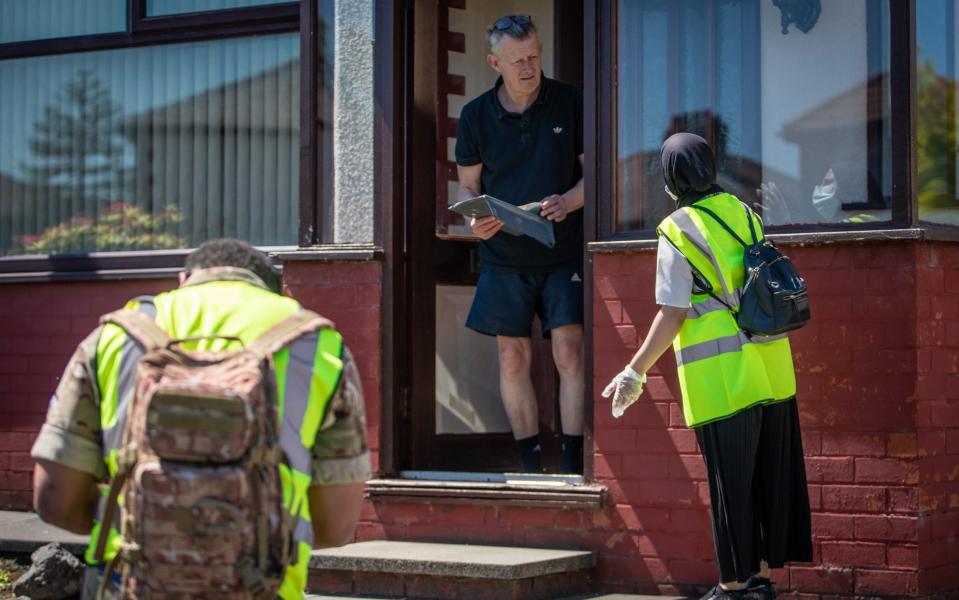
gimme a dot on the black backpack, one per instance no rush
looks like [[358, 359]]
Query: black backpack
[[774, 298]]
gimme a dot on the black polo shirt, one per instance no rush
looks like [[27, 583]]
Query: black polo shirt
[[525, 158]]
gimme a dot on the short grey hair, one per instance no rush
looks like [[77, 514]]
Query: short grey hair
[[518, 27]]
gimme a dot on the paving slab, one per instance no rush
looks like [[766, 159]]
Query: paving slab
[[24, 532], [450, 560]]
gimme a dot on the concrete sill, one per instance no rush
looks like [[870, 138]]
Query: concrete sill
[[509, 492]]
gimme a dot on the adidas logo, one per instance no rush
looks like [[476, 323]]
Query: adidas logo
[[557, 129], [576, 277]]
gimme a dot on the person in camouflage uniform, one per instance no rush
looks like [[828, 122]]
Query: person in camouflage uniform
[[69, 451]]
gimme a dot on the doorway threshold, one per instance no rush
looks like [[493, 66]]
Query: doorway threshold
[[457, 487]]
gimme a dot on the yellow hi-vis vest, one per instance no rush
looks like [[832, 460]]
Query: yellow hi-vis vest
[[722, 370], [230, 302]]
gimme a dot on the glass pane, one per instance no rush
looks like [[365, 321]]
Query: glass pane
[[150, 148], [801, 143], [158, 8], [467, 369], [23, 20], [936, 22]]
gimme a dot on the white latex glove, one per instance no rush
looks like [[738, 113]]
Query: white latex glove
[[625, 389]]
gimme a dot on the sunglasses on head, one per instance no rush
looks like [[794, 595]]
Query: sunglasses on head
[[508, 21]]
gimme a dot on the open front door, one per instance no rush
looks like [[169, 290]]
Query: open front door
[[457, 420]]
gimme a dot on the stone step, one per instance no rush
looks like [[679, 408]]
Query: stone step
[[450, 571], [591, 597]]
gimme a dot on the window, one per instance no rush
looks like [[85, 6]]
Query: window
[[802, 143], [936, 53], [157, 8], [163, 133], [24, 20], [150, 148]]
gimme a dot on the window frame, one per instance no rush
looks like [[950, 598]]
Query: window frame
[[601, 25], [296, 16]]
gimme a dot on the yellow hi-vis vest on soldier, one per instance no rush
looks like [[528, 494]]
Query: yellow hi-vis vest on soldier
[[229, 302], [722, 370]]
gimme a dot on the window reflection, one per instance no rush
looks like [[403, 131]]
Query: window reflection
[[150, 148], [936, 111], [800, 142]]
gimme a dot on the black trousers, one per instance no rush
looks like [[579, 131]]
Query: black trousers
[[757, 487]]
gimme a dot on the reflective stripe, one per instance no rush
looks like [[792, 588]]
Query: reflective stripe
[[704, 350], [303, 531], [299, 376], [685, 223], [766, 339], [130, 356], [327, 368], [710, 304]]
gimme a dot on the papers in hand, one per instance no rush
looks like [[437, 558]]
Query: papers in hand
[[516, 220]]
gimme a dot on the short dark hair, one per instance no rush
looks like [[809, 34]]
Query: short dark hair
[[518, 27], [228, 252]]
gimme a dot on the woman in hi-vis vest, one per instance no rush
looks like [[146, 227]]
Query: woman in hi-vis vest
[[739, 391]]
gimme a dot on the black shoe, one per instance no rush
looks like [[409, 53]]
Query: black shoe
[[718, 593], [760, 588]]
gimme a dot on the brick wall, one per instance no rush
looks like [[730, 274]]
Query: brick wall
[[41, 324], [349, 294], [877, 393], [937, 424]]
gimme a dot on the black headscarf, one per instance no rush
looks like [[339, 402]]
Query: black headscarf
[[689, 168]]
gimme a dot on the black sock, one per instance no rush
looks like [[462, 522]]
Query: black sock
[[571, 459], [530, 454]]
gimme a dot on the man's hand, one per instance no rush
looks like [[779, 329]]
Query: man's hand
[[554, 208], [625, 389], [485, 227]]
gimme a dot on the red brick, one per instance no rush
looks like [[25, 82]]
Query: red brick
[[852, 444], [645, 466], [892, 529], [15, 441], [379, 584], [692, 571], [939, 579], [635, 518], [931, 443], [832, 526], [886, 583], [21, 461], [830, 470], [13, 481], [944, 525], [853, 554], [902, 445], [616, 441], [661, 493], [853, 498], [952, 441], [687, 467], [823, 580], [892, 471], [513, 515], [902, 557], [607, 466], [330, 582]]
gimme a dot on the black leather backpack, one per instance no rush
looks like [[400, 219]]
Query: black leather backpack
[[774, 299]]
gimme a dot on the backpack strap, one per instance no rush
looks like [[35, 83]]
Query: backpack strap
[[727, 227], [287, 330], [138, 326], [749, 217]]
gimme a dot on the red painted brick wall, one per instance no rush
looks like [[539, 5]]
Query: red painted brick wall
[[877, 372], [937, 422], [41, 324], [348, 293]]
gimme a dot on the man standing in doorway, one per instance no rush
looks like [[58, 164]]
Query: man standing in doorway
[[522, 142]]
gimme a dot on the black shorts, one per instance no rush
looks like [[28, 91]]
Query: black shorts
[[506, 301]]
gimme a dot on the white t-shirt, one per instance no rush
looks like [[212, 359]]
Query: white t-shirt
[[674, 277]]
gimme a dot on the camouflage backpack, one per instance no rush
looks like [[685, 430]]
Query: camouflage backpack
[[202, 512]]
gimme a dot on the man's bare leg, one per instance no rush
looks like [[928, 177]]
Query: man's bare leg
[[568, 356], [519, 397]]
